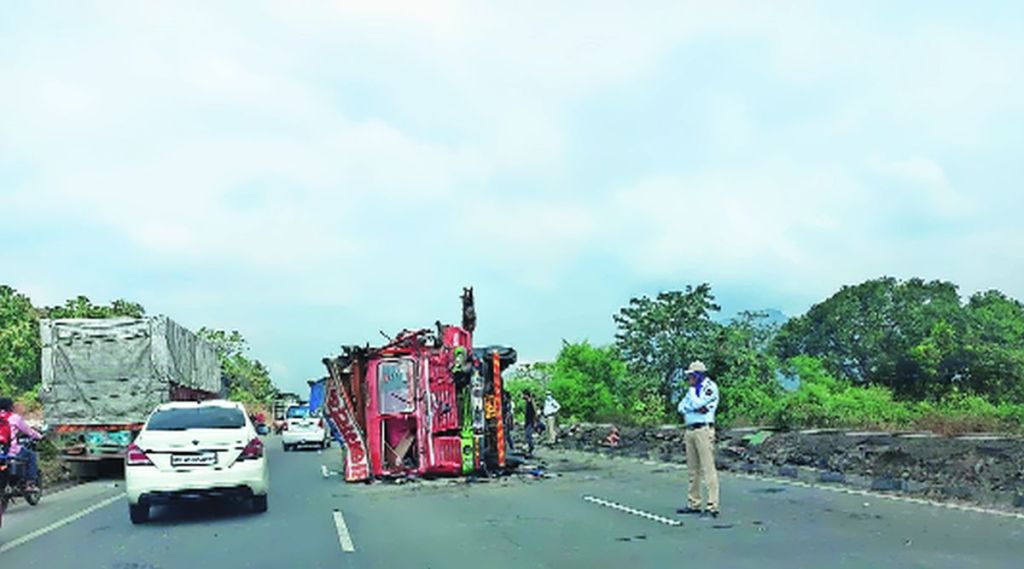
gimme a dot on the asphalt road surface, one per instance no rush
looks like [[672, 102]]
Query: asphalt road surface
[[589, 512]]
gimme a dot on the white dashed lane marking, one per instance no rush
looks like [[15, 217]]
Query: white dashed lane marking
[[633, 511], [343, 536]]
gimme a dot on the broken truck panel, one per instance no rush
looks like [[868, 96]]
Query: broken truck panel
[[427, 404]]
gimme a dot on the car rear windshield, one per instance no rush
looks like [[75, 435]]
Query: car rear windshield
[[196, 418], [298, 412]]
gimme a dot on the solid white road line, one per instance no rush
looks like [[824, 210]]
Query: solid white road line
[[634, 511], [58, 524], [343, 537]]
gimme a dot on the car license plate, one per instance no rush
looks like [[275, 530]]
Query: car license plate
[[201, 459]]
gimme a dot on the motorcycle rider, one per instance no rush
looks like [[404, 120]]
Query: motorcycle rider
[[16, 423]]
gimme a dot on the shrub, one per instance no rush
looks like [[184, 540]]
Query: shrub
[[868, 407], [582, 399], [821, 400], [747, 401]]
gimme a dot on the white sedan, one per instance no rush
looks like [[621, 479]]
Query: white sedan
[[303, 427], [190, 450]]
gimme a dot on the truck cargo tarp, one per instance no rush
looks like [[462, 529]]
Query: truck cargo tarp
[[114, 371], [316, 395]]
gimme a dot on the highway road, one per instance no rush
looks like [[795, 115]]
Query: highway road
[[588, 512]]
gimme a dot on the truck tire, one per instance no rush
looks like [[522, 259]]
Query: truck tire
[[259, 504], [138, 513]]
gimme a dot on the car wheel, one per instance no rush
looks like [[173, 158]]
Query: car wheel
[[139, 513], [259, 504], [285, 447]]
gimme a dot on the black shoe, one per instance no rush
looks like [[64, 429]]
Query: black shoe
[[689, 510], [708, 515]]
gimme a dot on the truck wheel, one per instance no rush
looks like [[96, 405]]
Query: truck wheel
[[139, 513], [259, 504]]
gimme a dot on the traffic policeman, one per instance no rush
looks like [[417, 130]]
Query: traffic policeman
[[698, 410]]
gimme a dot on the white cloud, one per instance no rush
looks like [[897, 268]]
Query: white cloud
[[298, 147], [765, 222]]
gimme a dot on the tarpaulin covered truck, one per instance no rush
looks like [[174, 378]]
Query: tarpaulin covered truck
[[102, 377], [427, 403]]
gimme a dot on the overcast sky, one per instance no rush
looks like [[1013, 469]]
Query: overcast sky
[[312, 172]]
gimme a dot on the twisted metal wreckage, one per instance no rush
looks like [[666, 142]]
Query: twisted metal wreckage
[[427, 403]]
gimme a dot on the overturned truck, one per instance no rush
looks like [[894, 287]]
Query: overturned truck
[[427, 403]]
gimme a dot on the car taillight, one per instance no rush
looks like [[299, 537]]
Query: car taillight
[[321, 422], [284, 427], [253, 450], [135, 457]]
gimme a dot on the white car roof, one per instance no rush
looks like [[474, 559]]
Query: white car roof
[[194, 404]]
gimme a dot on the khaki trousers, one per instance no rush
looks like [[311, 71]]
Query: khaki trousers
[[549, 423], [700, 462]]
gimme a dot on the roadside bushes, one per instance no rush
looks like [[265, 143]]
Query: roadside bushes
[[821, 400], [747, 400], [593, 385]]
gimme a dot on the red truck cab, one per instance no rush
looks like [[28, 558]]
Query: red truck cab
[[425, 404]]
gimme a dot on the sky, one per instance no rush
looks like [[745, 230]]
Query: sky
[[313, 173]]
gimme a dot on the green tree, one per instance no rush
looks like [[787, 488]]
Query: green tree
[[19, 342], [656, 337], [746, 369], [248, 380], [903, 335], [82, 307], [589, 382], [533, 376], [993, 347]]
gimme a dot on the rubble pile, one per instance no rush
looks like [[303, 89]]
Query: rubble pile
[[981, 469]]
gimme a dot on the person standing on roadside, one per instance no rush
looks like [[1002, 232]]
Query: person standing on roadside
[[698, 410], [551, 408], [530, 423]]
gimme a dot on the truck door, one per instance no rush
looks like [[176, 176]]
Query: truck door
[[397, 415]]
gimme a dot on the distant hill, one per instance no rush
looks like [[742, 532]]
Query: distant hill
[[776, 316]]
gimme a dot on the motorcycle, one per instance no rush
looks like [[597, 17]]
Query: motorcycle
[[13, 484]]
